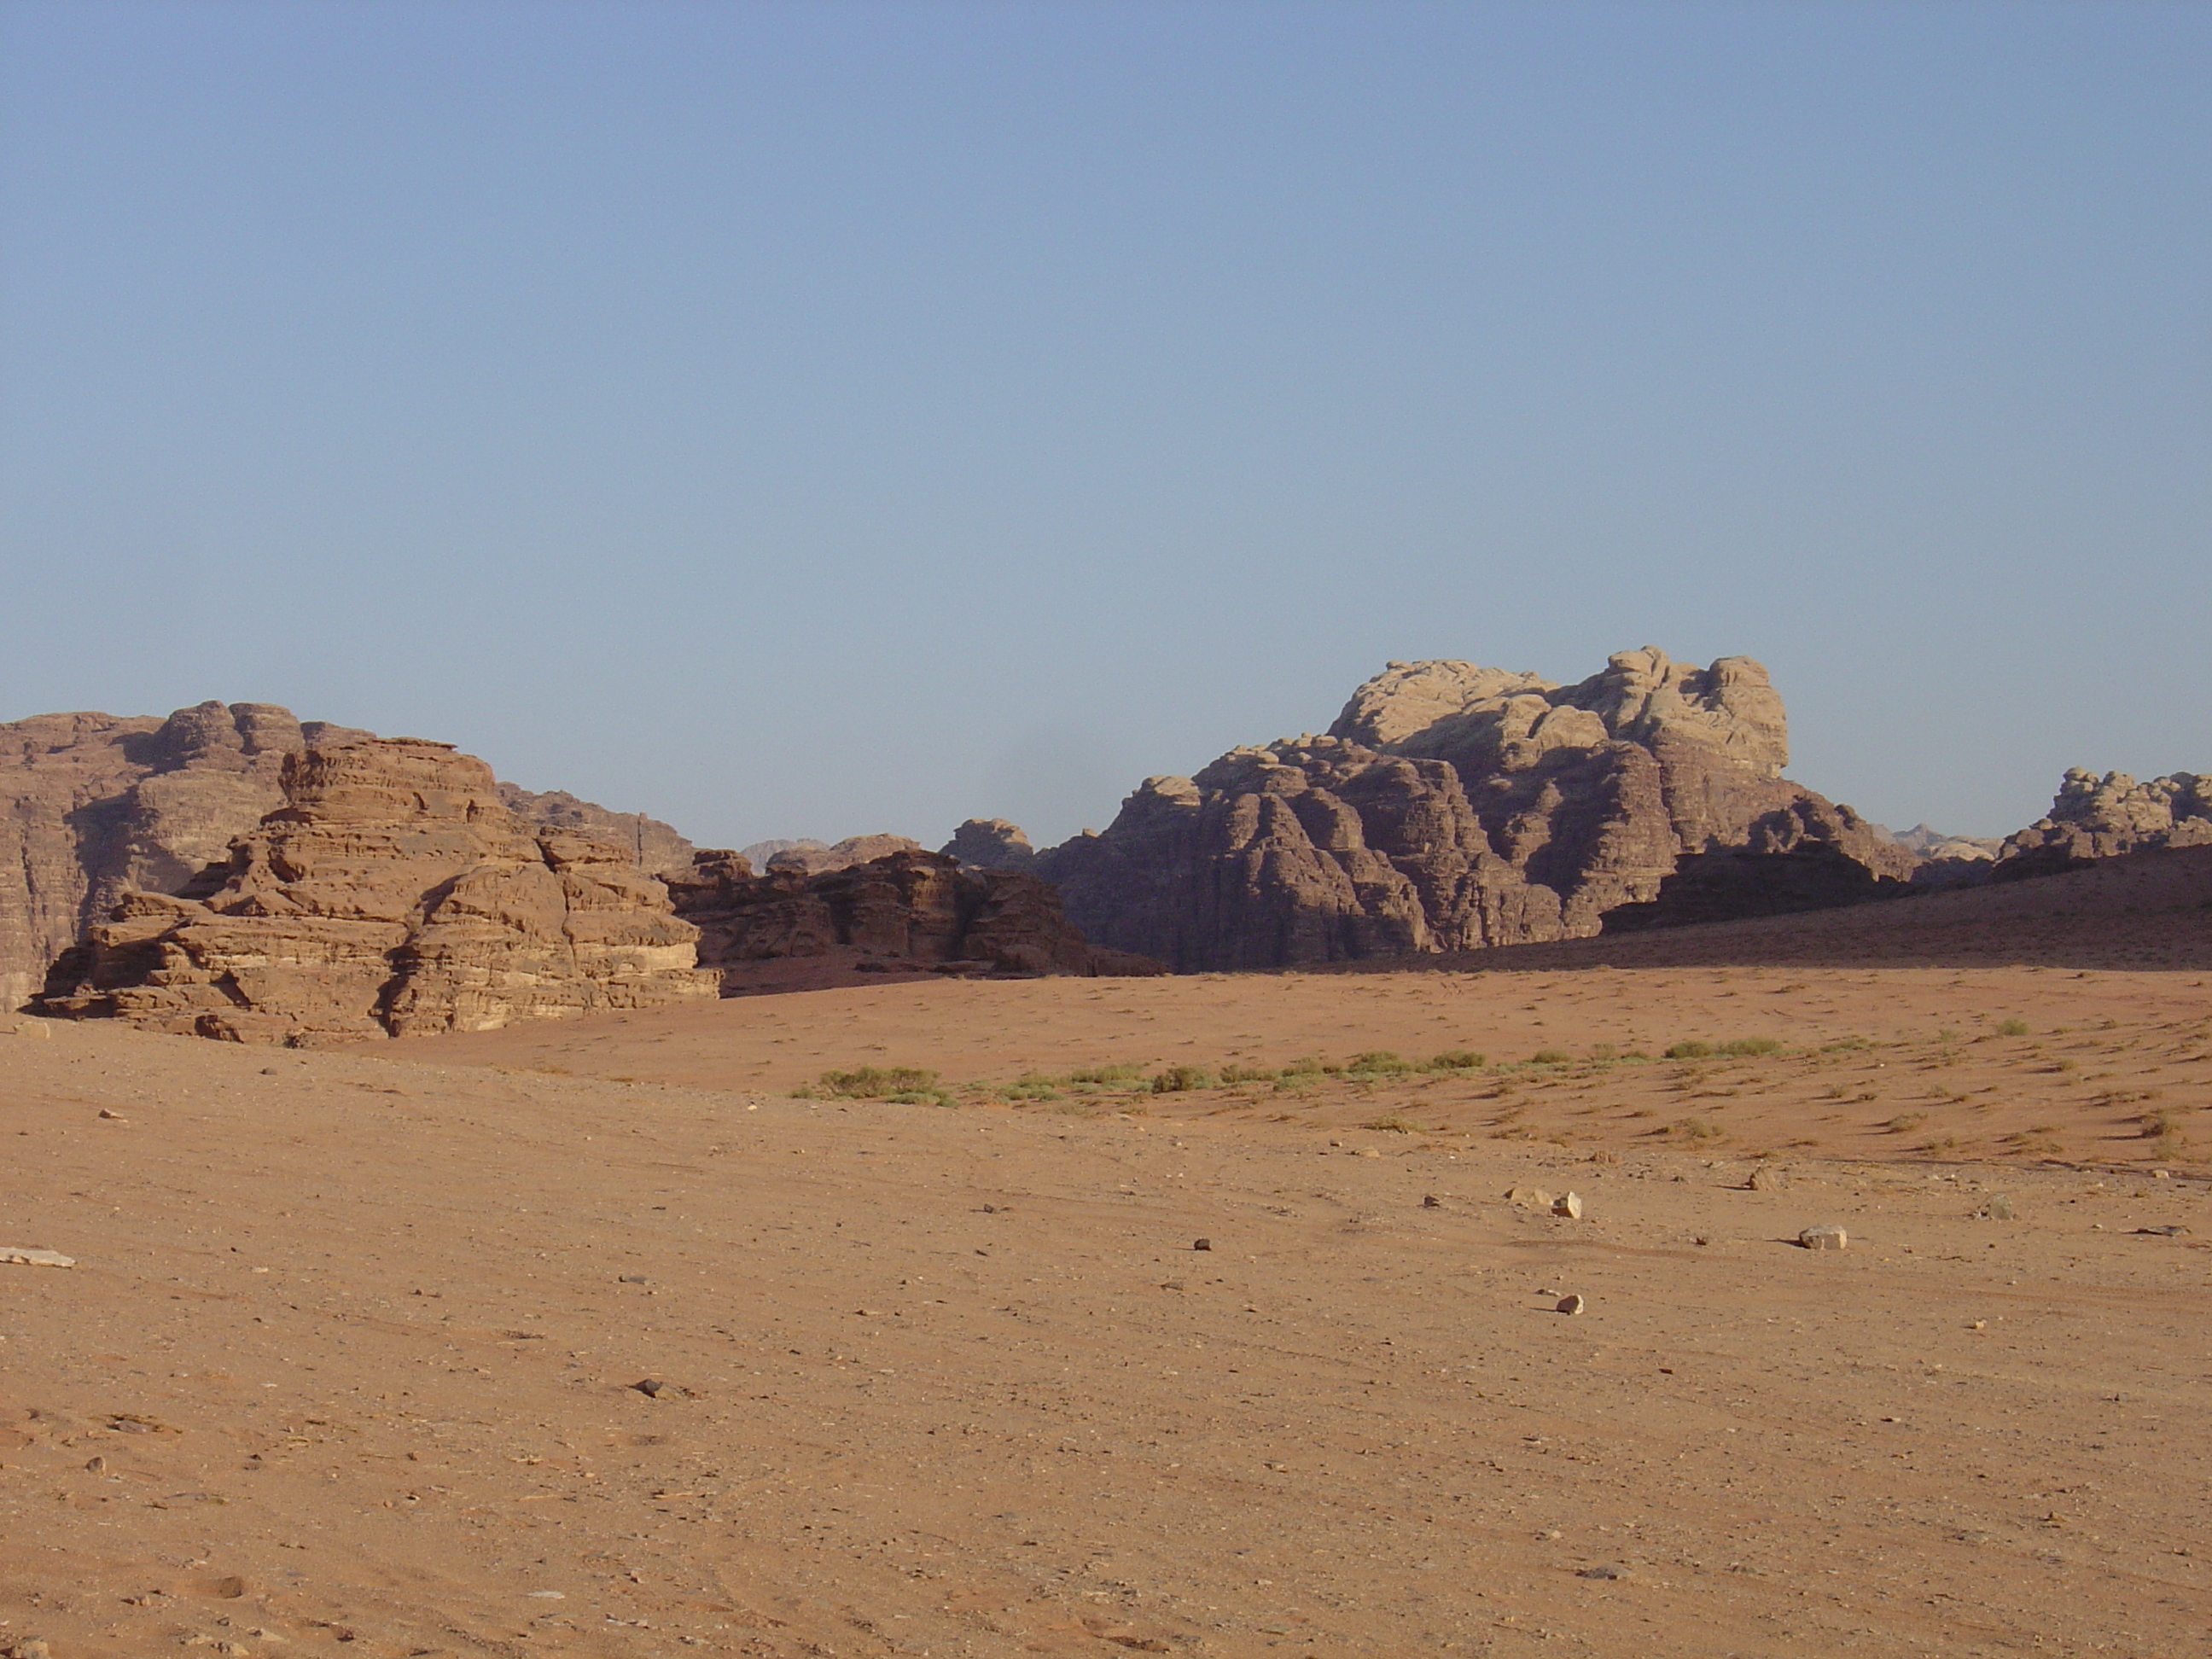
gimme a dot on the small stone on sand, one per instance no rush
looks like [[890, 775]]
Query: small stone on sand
[[1828, 1237], [1570, 1304], [1569, 1204], [28, 1258]]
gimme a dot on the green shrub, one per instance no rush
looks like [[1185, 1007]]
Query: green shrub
[[1246, 1074], [1310, 1065], [1457, 1059], [2011, 1028], [1178, 1078], [880, 1082], [1549, 1057], [1689, 1051]]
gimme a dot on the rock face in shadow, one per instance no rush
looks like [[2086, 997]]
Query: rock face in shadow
[[909, 907], [2093, 818], [1455, 807], [1728, 886], [392, 893]]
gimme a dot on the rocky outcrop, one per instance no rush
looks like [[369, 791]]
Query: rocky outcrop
[[991, 844], [2093, 818], [1453, 807], [92, 806], [653, 846], [812, 858], [908, 907], [393, 893], [1728, 886]]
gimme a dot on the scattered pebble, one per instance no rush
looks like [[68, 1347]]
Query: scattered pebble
[[1602, 1573], [1528, 1198], [649, 1387], [1828, 1237], [1569, 1204], [95, 1465], [1201, 1243], [1430, 1201], [631, 1279], [1999, 1208], [1570, 1304], [114, 1117]]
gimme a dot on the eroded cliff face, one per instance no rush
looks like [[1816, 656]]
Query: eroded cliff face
[[391, 892], [2093, 818], [908, 907], [92, 808], [1451, 807]]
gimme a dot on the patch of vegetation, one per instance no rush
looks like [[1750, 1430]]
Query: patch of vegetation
[[1394, 1123], [1309, 1065], [1904, 1122], [1246, 1074], [1549, 1057], [881, 1082], [1457, 1059], [2011, 1028], [1689, 1050], [1745, 1048], [1691, 1128], [1379, 1062], [1179, 1079], [1107, 1075]]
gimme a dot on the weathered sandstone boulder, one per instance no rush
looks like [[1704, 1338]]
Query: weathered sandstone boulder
[[393, 892], [908, 905], [1451, 807], [991, 844]]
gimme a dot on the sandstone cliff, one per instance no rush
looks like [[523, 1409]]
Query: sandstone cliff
[[393, 893], [1451, 807], [654, 848], [92, 806], [908, 907]]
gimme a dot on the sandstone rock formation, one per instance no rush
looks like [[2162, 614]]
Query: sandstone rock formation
[[1728, 886], [2093, 818], [654, 848], [991, 844], [393, 893], [92, 806], [908, 907], [1451, 807], [812, 858]]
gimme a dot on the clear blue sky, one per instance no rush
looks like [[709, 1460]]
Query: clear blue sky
[[807, 419]]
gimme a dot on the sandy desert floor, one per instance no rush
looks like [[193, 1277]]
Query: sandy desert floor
[[349, 1361]]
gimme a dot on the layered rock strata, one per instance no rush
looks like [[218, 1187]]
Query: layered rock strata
[[92, 806], [1453, 807], [392, 893], [908, 907]]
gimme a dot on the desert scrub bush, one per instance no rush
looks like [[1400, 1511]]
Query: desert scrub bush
[[1690, 1128], [1246, 1074], [2011, 1028], [1394, 1124], [1745, 1048], [1032, 1087], [1306, 1065], [1689, 1050], [881, 1082], [1549, 1057], [1107, 1075], [1457, 1059], [1904, 1122], [1179, 1079], [1378, 1062], [2164, 1124]]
